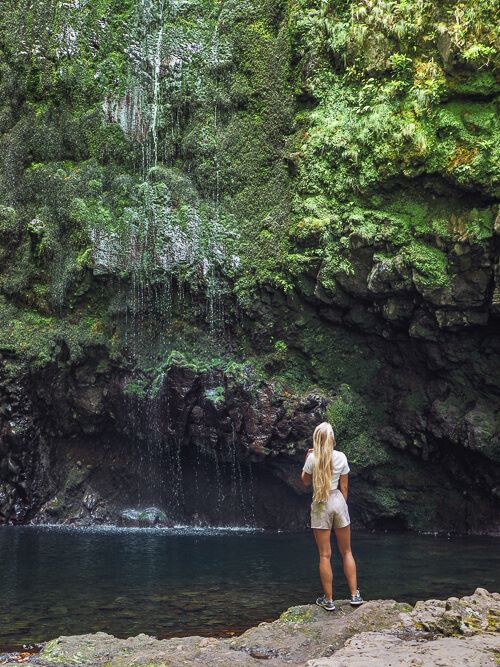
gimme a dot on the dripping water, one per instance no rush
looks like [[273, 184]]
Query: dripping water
[[154, 246]]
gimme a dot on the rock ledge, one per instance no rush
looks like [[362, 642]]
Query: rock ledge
[[381, 633]]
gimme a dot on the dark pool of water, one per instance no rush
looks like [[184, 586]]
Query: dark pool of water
[[57, 581]]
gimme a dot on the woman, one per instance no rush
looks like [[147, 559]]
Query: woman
[[326, 467]]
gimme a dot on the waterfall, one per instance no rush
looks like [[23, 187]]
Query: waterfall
[[172, 235], [156, 88], [212, 292], [159, 243]]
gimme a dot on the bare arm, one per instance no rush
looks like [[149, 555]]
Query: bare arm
[[306, 478], [344, 485]]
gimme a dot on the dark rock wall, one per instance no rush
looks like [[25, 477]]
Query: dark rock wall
[[223, 222], [84, 442]]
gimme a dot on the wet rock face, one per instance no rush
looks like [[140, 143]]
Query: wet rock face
[[204, 164], [92, 441], [401, 297], [204, 449], [308, 636]]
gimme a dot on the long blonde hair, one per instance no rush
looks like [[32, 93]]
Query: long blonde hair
[[323, 444]]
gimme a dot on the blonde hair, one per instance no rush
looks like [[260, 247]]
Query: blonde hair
[[323, 444]]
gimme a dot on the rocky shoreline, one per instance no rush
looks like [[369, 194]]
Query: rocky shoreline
[[454, 632]]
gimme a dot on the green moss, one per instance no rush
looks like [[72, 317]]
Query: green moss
[[53, 652], [493, 623], [384, 116], [336, 356], [136, 388], [301, 615], [8, 221], [292, 375], [430, 263], [215, 395], [388, 500], [381, 111], [355, 426], [478, 83], [36, 337], [74, 478]]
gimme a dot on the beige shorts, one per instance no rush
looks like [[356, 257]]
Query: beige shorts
[[331, 514]]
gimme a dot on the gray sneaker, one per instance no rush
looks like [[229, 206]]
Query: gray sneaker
[[356, 599], [326, 604]]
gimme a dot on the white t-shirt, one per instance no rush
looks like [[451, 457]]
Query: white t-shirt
[[340, 466]]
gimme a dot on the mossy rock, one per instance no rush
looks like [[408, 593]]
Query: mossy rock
[[298, 615]]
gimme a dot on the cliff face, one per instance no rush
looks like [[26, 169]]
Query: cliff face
[[222, 222]]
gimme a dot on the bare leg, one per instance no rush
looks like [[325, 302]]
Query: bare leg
[[343, 536], [322, 537]]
